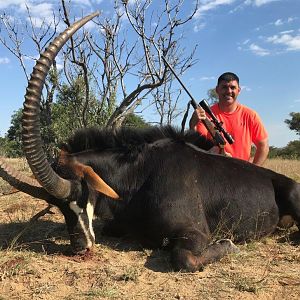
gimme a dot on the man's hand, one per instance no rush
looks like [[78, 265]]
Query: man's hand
[[199, 114], [218, 150]]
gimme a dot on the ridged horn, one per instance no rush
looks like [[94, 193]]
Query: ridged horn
[[32, 141], [22, 182]]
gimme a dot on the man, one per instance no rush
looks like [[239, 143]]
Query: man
[[243, 123]]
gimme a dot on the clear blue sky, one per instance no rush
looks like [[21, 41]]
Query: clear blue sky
[[257, 39]]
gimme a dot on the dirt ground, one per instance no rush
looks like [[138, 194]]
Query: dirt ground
[[35, 263]]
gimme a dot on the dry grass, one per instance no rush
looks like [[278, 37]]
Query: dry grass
[[290, 168], [37, 265]]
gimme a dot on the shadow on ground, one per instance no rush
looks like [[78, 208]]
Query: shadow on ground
[[51, 238], [40, 237]]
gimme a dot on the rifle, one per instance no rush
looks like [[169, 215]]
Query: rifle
[[213, 126], [218, 125]]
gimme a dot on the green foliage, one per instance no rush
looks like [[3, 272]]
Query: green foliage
[[69, 113], [290, 151], [274, 152], [13, 149], [294, 122], [133, 120], [2, 146], [212, 96], [11, 145], [15, 130], [10, 148], [72, 112]]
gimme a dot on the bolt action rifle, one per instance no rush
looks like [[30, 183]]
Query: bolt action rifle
[[213, 126]]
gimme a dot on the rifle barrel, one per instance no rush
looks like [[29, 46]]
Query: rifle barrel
[[193, 101]]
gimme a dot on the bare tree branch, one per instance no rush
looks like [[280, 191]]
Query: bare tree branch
[[120, 73]]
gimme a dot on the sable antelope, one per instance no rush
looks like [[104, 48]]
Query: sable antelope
[[157, 184]]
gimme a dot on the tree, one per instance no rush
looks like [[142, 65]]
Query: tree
[[16, 33], [142, 60], [294, 122], [274, 152], [12, 143], [2, 146], [166, 100], [15, 130], [291, 150], [212, 96], [70, 112], [136, 121], [100, 66]]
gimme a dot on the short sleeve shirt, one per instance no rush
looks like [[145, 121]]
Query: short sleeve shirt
[[244, 125]]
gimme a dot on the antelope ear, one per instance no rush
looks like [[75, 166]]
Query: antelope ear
[[99, 184], [95, 180]]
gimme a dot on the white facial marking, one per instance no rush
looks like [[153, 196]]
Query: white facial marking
[[90, 214], [86, 230], [77, 210]]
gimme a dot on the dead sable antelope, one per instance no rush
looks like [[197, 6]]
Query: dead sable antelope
[[157, 184]]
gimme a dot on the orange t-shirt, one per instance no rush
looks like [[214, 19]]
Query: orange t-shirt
[[244, 125]]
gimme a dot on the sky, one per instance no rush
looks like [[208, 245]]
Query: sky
[[259, 40]]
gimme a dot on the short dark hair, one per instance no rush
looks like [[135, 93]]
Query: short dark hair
[[228, 76]]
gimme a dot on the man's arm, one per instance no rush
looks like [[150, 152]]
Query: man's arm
[[261, 153]]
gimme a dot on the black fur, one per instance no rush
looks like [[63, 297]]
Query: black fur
[[177, 195], [128, 138]]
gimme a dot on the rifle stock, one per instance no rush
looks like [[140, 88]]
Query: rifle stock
[[217, 137]]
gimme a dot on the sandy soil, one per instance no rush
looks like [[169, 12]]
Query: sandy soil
[[35, 263]]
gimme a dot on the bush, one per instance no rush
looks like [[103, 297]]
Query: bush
[[290, 151], [10, 148]]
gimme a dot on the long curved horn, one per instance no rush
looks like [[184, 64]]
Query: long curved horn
[[32, 141], [22, 182]]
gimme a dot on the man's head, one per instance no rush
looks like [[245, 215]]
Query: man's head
[[228, 76], [228, 89]]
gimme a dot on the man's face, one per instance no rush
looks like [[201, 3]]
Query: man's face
[[228, 91]]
